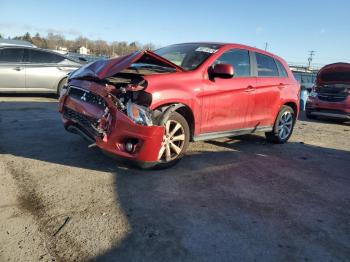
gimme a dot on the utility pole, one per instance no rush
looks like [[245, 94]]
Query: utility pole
[[266, 45], [311, 55]]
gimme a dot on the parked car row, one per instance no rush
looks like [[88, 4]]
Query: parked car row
[[147, 106]]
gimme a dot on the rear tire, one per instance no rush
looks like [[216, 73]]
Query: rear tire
[[175, 141], [283, 127]]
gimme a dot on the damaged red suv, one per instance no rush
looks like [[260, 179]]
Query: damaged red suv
[[147, 106], [330, 96]]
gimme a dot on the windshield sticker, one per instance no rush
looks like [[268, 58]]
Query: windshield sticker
[[206, 50]]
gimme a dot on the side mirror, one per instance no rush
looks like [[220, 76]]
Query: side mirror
[[222, 71]]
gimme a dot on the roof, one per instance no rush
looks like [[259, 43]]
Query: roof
[[4, 42], [236, 45]]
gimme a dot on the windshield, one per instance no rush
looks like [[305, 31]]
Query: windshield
[[188, 56]]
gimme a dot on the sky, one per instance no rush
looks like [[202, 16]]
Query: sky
[[291, 28]]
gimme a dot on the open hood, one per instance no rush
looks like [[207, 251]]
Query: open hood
[[106, 68], [334, 73]]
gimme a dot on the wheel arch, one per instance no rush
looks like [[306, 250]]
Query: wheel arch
[[183, 110], [294, 106]]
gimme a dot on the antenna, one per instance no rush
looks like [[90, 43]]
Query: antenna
[[266, 45]]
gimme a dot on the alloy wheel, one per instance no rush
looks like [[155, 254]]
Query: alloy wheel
[[173, 141], [285, 125]]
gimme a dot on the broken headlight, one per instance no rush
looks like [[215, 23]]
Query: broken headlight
[[139, 114]]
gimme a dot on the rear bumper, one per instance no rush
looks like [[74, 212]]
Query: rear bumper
[[146, 139]]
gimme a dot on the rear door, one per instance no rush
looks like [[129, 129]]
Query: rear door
[[42, 70], [12, 70], [226, 101], [267, 92]]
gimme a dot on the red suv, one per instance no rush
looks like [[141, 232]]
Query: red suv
[[330, 95], [147, 106]]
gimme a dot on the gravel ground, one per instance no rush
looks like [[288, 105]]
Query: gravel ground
[[235, 199]]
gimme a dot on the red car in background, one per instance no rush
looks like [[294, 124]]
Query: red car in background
[[147, 106], [330, 95]]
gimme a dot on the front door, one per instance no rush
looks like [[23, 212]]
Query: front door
[[225, 101]]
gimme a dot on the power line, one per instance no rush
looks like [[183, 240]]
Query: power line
[[311, 54]]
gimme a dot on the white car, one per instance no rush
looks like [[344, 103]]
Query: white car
[[25, 69]]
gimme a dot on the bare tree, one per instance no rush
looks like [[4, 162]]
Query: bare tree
[[96, 47]]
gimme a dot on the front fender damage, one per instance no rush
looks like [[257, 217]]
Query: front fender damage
[[116, 133]]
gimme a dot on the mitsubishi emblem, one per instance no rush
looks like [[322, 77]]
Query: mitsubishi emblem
[[83, 97]]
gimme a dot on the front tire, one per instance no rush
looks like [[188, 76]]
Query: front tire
[[283, 127], [175, 141]]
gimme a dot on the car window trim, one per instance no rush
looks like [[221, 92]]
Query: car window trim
[[256, 66], [279, 71], [250, 62], [21, 62], [42, 63]]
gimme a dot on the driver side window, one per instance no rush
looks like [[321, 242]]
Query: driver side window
[[239, 59]]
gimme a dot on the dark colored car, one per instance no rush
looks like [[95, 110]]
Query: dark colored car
[[330, 95], [147, 106]]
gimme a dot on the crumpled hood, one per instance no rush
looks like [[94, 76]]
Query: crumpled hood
[[106, 68], [334, 73]]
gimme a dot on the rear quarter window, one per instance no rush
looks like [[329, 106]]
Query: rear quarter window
[[282, 70]]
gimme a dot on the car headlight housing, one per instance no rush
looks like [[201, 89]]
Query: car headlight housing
[[313, 94], [139, 114]]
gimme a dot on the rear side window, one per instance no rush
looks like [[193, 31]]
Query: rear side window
[[281, 69], [36, 56], [11, 55], [266, 65], [239, 59]]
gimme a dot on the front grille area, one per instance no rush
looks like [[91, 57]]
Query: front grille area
[[87, 97], [88, 123], [331, 93], [332, 98]]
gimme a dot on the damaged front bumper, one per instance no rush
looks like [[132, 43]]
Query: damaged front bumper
[[97, 118]]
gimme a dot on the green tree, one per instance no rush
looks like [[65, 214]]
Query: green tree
[[27, 37]]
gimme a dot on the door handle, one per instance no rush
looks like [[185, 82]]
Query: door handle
[[18, 68], [249, 89], [281, 86]]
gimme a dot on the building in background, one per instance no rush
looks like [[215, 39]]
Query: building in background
[[83, 50]]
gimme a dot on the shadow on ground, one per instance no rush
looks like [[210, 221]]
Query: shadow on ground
[[228, 200], [323, 120]]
